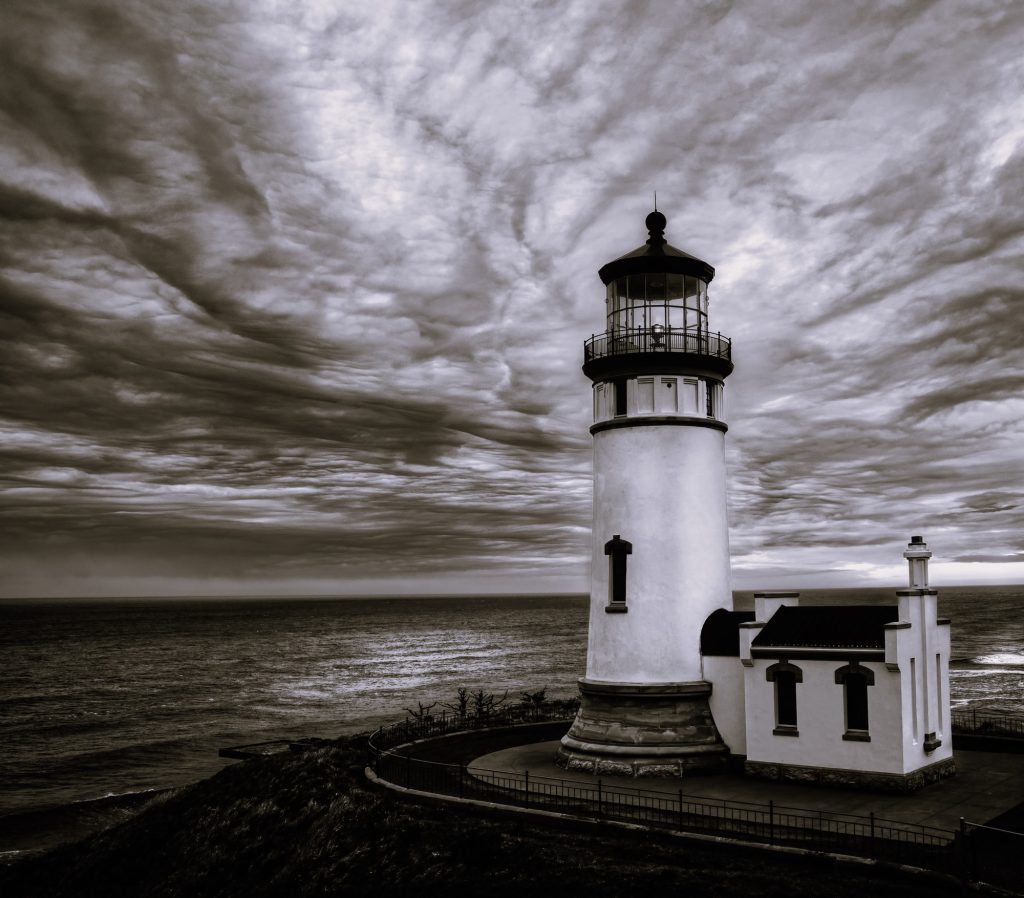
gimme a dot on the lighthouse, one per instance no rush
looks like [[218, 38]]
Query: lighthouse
[[660, 542]]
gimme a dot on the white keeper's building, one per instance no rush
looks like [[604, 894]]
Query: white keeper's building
[[677, 683]]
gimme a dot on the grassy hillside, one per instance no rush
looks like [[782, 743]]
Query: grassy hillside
[[298, 825]]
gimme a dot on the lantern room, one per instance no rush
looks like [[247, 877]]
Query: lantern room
[[656, 302]]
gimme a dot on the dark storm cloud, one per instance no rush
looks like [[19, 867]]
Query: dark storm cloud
[[298, 293]]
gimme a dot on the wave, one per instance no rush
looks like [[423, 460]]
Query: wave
[[30, 830], [1002, 659], [983, 672], [98, 802]]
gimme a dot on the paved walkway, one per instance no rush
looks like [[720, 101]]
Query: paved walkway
[[986, 784]]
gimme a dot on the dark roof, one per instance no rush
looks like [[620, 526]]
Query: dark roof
[[827, 626], [720, 634], [656, 256]]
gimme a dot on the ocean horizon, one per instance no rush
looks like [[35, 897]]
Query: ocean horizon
[[739, 595]]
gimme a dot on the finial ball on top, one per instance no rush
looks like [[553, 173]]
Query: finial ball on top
[[655, 221]]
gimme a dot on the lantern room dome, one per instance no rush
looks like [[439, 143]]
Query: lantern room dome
[[656, 255]]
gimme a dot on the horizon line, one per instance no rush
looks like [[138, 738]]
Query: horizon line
[[438, 595]]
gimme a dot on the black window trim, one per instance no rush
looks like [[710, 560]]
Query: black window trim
[[791, 675], [843, 675]]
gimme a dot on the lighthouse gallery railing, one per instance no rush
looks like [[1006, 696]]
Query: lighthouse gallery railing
[[657, 339]]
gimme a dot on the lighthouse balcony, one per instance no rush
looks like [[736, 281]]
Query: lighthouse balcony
[[656, 347]]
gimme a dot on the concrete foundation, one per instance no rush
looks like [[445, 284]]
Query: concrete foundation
[[853, 779], [643, 730]]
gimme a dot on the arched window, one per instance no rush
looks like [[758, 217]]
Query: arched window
[[855, 681], [617, 549], [785, 676]]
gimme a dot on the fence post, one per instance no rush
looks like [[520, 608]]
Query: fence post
[[771, 822], [600, 810], [680, 808], [961, 856], [874, 852], [972, 852], [526, 797], [974, 720]]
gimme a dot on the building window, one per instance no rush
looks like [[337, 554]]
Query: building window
[[785, 676], [617, 549], [855, 681], [620, 398]]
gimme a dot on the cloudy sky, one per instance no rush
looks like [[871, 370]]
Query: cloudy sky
[[293, 294]]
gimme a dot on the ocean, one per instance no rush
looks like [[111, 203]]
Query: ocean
[[102, 701]]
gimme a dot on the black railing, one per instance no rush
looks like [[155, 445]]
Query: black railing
[[772, 824], [414, 728], [657, 339], [979, 722], [992, 855]]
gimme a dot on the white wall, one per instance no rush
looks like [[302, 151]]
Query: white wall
[[727, 700], [662, 488], [821, 720]]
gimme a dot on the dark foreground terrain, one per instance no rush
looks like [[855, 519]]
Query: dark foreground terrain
[[297, 825]]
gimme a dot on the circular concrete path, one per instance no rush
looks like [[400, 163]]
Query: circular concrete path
[[987, 784]]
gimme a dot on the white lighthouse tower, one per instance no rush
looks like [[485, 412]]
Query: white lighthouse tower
[[660, 537]]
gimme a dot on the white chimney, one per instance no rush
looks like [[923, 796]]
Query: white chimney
[[917, 556]]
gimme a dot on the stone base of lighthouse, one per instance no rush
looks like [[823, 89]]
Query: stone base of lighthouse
[[651, 729]]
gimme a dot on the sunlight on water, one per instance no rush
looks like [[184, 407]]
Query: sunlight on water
[[1001, 658]]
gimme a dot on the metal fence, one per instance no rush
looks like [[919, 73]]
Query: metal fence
[[770, 823], [974, 853], [979, 722], [428, 726], [992, 855]]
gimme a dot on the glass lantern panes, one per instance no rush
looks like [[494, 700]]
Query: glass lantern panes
[[663, 301]]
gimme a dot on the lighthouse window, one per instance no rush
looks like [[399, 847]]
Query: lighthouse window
[[620, 398], [655, 288], [714, 399], [855, 681], [674, 299], [667, 400], [688, 401], [617, 549], [645, 395], [785, 676]]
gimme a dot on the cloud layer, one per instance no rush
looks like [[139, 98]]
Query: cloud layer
[[295, 294]]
